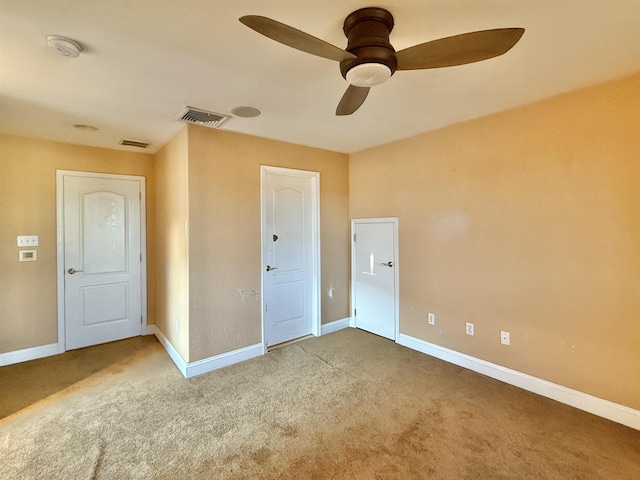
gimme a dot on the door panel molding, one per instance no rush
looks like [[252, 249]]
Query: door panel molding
[[396, 268], [60, 254], [315, 276]]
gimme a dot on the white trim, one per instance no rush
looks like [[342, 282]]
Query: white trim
[[173, 353], [26, 354], [335, 326], [583, 401], [150, 330], [192, 369], [60, 257], [224, 360], [60, 174], [316, 328], [33, 353], [396, 269]]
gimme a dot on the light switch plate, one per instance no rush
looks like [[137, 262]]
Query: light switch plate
[[27, 240]]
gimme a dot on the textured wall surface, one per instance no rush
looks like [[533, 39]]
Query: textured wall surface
[[172, 243], [527, 221], [28, 295], [224, 245]]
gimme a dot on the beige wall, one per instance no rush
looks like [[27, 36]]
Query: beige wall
[[224, 243], [208, 283], [526, 221], [172, 245], [28, 298]]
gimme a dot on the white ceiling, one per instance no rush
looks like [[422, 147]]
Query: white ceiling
[[144, 61]]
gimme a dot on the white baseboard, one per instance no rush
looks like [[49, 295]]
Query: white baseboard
[[150, 330], [192, 369], [335, 326], [583, 401], [173, 353], [224, 360], [26, 354], [33, 353]]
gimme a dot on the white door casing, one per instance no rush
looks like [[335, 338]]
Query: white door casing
[[101, 258], [290, 254], [375, 274]]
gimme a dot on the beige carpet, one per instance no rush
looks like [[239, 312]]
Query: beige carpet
[[348, 405]]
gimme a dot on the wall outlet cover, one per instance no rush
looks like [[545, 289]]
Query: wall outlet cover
[[469, 328], [27, 240]]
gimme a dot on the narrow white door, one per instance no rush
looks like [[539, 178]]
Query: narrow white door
[[375, 276], [290, 254], [102, 259]]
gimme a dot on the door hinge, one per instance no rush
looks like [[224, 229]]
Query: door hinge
[[355, 312], [141, 319], [141, 257], [354, 237]]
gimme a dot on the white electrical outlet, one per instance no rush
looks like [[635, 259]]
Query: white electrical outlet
[[432, 319], [505, 338], [469, 328]]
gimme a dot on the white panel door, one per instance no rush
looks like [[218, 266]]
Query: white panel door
[[102, 260], [289, 271], [375, 279]]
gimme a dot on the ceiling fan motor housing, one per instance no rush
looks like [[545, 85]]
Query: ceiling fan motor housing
[[367, 31]]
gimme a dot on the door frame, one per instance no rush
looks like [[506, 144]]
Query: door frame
[[60, 259], [396, 270], [314, 177]]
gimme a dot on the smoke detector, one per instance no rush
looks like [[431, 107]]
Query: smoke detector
[[64, 46], [203, 118]]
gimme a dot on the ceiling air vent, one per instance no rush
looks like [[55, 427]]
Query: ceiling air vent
[[202, 117], [134, 143]]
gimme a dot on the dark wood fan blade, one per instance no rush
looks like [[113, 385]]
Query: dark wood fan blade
[[295, 38], [352, 99], [459, 49]]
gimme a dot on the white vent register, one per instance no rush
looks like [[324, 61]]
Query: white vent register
[[203, 118]]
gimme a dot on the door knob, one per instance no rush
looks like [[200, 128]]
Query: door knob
[[269, 268], [73, 270], [388, 264]]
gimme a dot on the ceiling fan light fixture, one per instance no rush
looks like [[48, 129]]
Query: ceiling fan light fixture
[[370, 59], [368, 74]]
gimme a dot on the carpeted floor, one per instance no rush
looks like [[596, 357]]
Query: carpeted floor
[[349, 405]]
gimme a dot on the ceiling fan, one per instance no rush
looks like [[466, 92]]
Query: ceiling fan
[[370, 59]]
